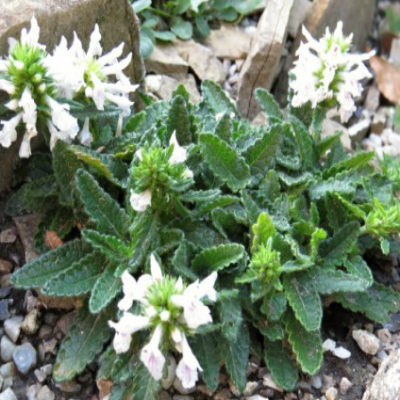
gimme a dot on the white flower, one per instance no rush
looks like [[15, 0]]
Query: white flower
[[151, 355], [7, 86], [179, 154], [326, 71], [140, 201], [188, 367], [133, 291], [85, 137], [29, 112], [31, 37], [124, 328], [8, 134]]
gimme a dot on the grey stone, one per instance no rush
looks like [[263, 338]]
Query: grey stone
[[65, 322], [171, 372], [250, 388], [8, 236], [45, 394], [56, 18], [47, 369], [8, 370], [12, 327], [8, 383], [4, 312], [30, 324], [1, 382], [8, 394], [5, 267], [179, 388], [69, 387], [25, 358], [386, 383], [40, 375], [7, 348], [344, 385], [367, 341], [27, 228], [44, 332]]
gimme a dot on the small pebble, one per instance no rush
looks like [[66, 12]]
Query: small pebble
[[12, 328], [331, 394], [47, 369], [30, 324], [269, 382], [25, 358], [8, 394], [45, 394], [250, 388], [44, 332], [367, 341], [179, 388], [384, 335], [316, 382], [7, 348], [344, 385], [8, 383], [4, 311], [341, 353], [69, 387], [329, 345], [5, 267], [65, 322], [179, 397], [171, 372], [257, 397], [8, 370], [40, 375], [164, 396], [8, 236]]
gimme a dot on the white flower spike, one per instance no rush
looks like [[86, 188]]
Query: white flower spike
[[140, 201], [179, 154], [325, 71], [151, 355]]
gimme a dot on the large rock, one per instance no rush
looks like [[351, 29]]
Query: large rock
[[262, 64], [386, 384], [57, 18]]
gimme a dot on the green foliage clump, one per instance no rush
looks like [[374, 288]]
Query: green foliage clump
[[285, 219]]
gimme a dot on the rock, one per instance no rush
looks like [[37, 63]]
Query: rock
[[44, 332], [331, 394], [395, 53], [329, 345], [45, 394], [299, 12], [56, 18], [316, 382], [229, 42], [257, 397], [372, 99], [50, 346], [163, 396], [344, 385], [379, 121], [8, 383], [386, 383], [12, 327], [104, 386], [171, 372], [163, 86], [359, 130], [25, 358], [177, 397], [341, 353], [179, 388], [30, 324], [8, 236], [1, 382], [47, 369], [384, 335], [250, 388], [4, 312], [262, 63], [269, 382], [32, 392], [201, 60], [40, 375], [65, 322], [367, 341], [69, 387], [27, 227], [166, 60], [330, 127], [8, 370], [7, 348], [8, 394], [5, 267]]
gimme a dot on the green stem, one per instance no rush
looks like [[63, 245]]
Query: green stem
[[160, 12]]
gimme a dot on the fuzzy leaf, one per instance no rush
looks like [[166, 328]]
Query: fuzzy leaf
[[269, 105], [182, 260], [224, 128], [194, 196], [275, 306], [217, 258], [231, 317], [304, 299], [236, 356], [105, 290], [334, 250], [83, 342], [78, 279], [320, 189], [354, 162], [217, 202], [216, 98], [144, 387], [224, 161], [279, 361], [306, 345], [109, 217], [179, 121], [376, 303], [38, 272], [205, 348]]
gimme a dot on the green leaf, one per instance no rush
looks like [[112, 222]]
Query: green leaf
[[146, 42], [182, 260], [193, 196], [109, 217], [231, 317], [320, 189], [306, 345], [38, 272], [110, 246], [65, 165], [279, 361], [357, 161], [216, 98], [78, 279], [179, 121], [304, 299], [183, 29], [105, 290], [376, 303], [224, 128], [273, 331], [105, 165], [218, 258], [165, 36], [236, 356], [262, 231], [334, 250], [269, 105], [218, 202], [205, 348], [224, 161], [141, 5], [144, 387], [83, 342], [275, 306]]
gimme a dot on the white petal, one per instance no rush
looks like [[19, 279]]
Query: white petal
[[196, 313], [188, 367], [121, 342], [117, 67], [155, 269], [85, 137], [25, 149], [130, 323], [179, 154], [9, 132], [130, 289], [140, 201], [29, 115], [7, 86], [206, 287], [152, 357], [95, 48], [112, 56], [12, 105]]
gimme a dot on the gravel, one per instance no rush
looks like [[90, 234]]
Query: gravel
[[25, 358]]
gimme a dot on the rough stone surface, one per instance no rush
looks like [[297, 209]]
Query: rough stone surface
[[171, 372], [262, 63], [8, 394], [27, 227], [386, 384], [7, 348], [299, 13], [25, 358], [5, 267], [12, 327], [62, 17], [229, 42], [367, 341], [45, 394]]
